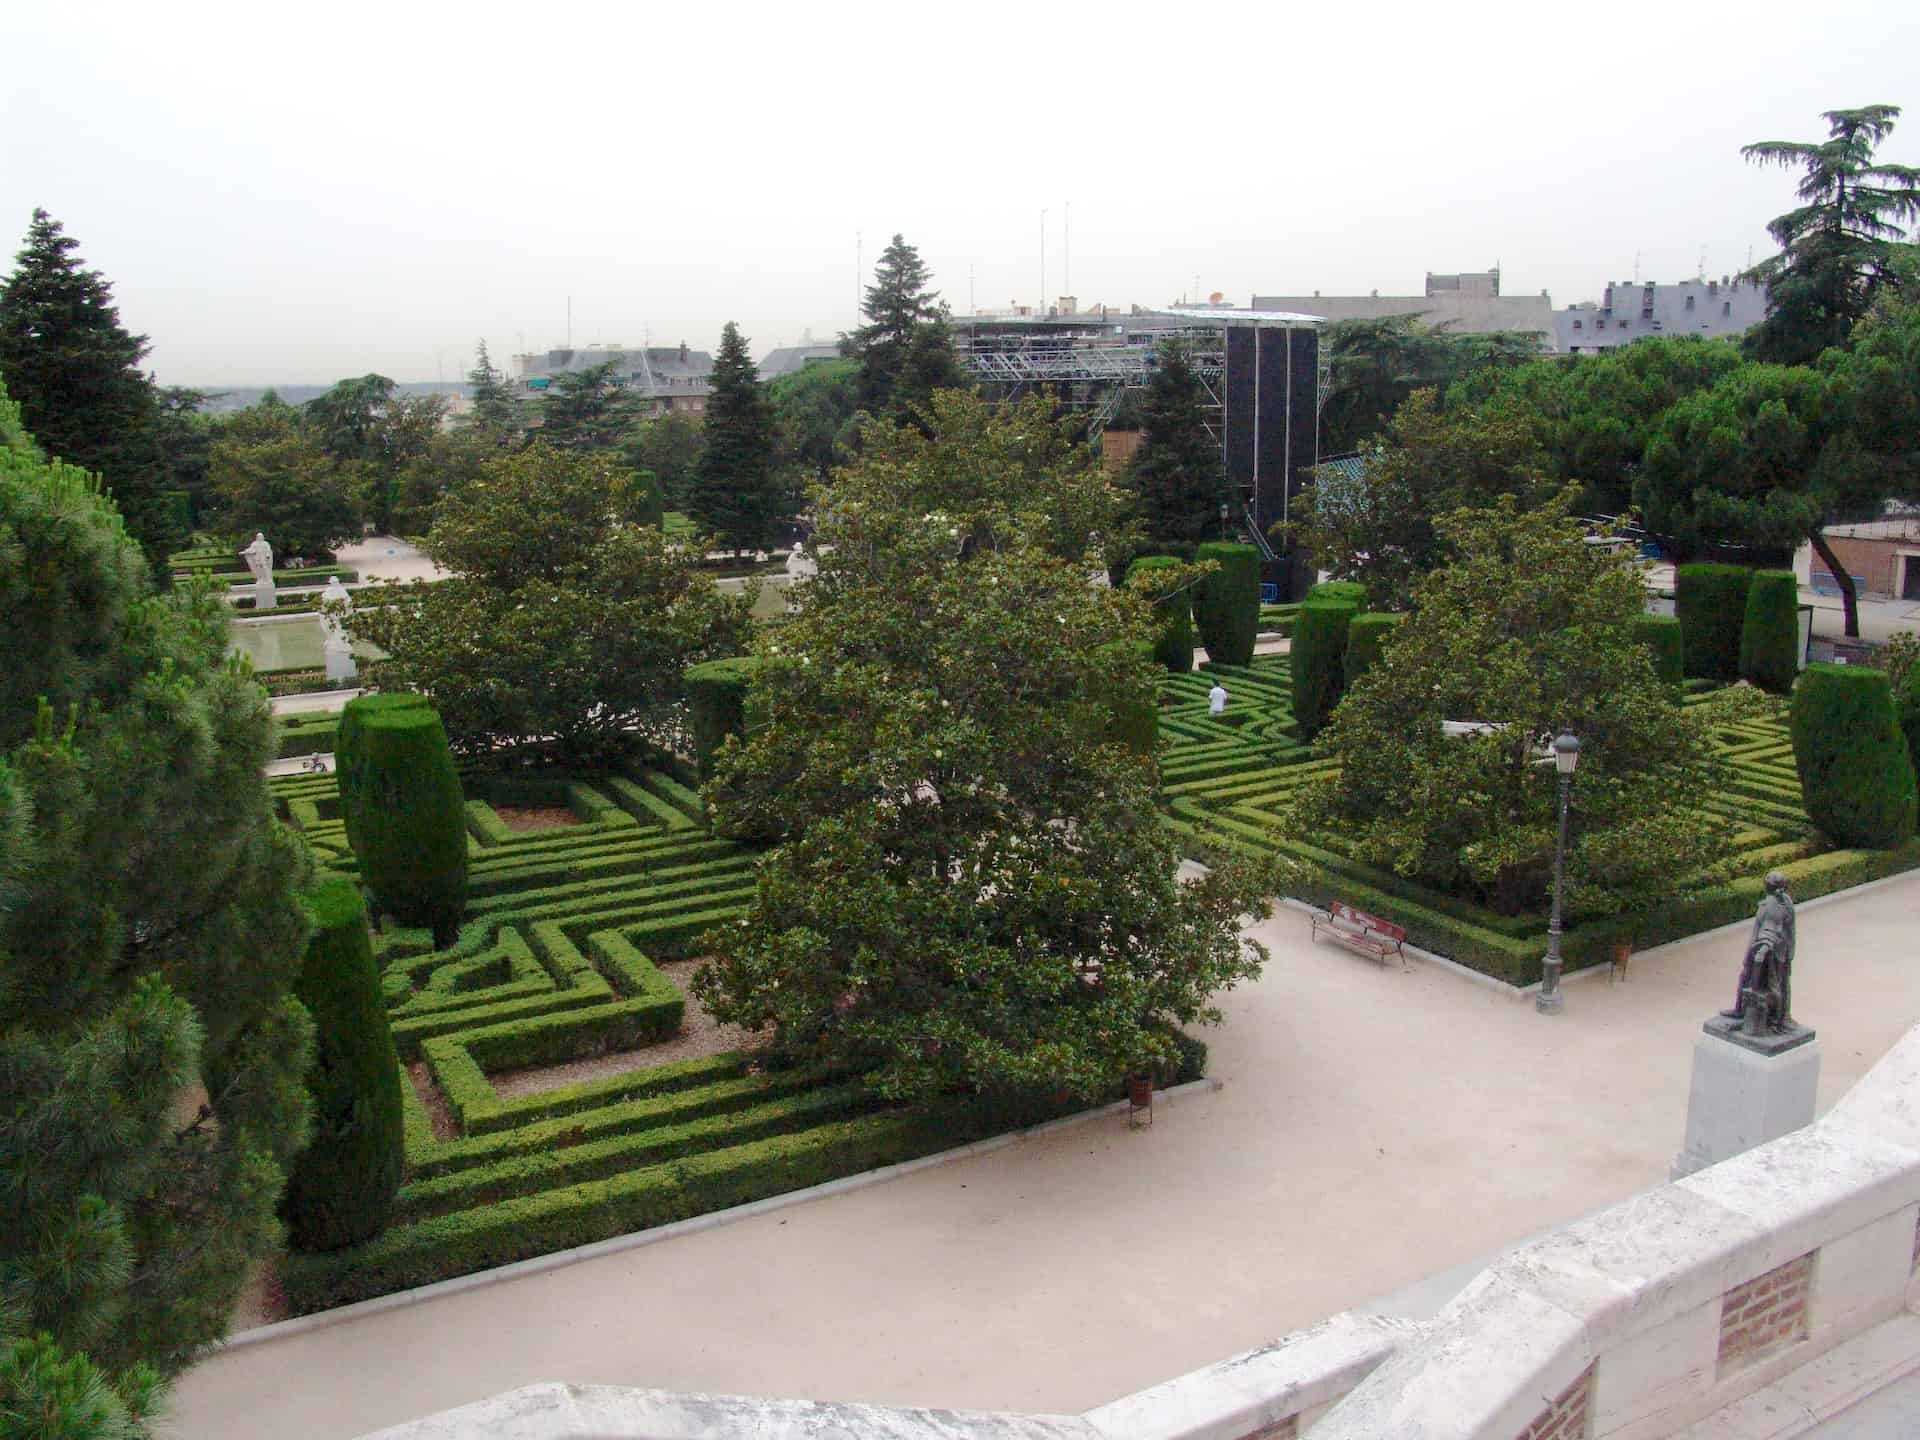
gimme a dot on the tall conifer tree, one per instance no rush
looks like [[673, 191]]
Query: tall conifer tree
[[150, 1053], [1178, 477], [496, 409], [737, 493], [74, 372], [904, 349]]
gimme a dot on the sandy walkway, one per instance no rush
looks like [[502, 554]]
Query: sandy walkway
[[1376, 1127]]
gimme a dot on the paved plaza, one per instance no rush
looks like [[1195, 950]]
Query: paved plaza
[[1376, 1128]]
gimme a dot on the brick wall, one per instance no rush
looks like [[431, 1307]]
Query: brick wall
[[1567, 1417], [1875, 562], [1117, 448], [1766, 1313]]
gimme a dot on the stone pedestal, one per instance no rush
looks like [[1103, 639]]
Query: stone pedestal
[[341, 665], [1747, 1090], [264, 597]]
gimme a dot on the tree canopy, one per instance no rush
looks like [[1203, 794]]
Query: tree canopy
[[270, 474], [149, 935], [1374, 365], [74, 372], [738, 494], [904, 349], [971, 892], [1178, 475], [1837, 247]]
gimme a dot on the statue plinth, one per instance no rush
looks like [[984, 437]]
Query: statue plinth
[[1747, 1090]]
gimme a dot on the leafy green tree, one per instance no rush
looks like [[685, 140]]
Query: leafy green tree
[[813, 410], [283, 484], [75, 373], [738, 493], [495, 410], [563, 619], [972, 892], [669, 449], [184, 432], [150, 1053], [1381, 528], [449, 460], [1837, 248], [1178, 474], [1594, 415], [1374, 365], [1531, 631], [372, 431], [587, 410], [904, 349], [346, 421]]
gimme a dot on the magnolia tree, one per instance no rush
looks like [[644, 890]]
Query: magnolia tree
[[566, 617], [1529, 631], [972, 889]]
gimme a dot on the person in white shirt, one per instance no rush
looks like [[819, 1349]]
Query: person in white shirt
[[1217, 699]]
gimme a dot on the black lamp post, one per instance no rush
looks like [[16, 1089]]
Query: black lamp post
[[1566, 755], [1224, 514]]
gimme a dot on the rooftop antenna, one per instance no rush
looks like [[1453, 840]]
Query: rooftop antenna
[[1702, 272], [1636, 267], [970, 304], [1066, 247], [1041, 308], [569, 322], [859, 270]]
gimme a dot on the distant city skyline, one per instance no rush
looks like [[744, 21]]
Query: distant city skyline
[[283, 201]]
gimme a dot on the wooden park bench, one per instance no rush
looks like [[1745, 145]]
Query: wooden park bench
[[1378, 938]]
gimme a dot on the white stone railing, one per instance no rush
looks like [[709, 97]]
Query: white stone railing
[[1627, 1325]]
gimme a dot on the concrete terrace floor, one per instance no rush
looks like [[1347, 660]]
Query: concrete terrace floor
[[1376, 1128]]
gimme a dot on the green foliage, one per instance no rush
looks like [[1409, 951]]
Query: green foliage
[[48, 1394], [1226, 601], [940, 715], [1178, 476], [717, 703], [1906, 701], [1837, 248], [149, 935], [1856, 775], [587, 410], [75, 374], [1665, 640], [1319, 655], [1710, 602], [495, 411], [738, 494], [1374, 365], [350, 751], [563, 619], [1379, 529], [904, 349], [274, 477], [411, 823], [1166, 583], [1367, 636], [1532, 632], [669, 449], [1347, 590], [340, 1188], [813, 409], [1770, 634]]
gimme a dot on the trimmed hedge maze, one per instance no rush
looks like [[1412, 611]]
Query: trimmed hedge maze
[[558, 959], [1228, 779]]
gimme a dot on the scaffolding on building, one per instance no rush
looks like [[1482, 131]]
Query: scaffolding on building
[[1086, 368]]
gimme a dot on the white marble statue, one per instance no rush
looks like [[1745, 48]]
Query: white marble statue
[[800, 565], [335, 604], [259, 558]]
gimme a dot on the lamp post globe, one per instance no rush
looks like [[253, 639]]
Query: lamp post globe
[[1566, 757]]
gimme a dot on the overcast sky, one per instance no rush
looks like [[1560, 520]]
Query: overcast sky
[[299, 193]]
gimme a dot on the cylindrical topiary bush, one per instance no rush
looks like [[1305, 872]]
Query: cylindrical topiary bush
[[1711, 602], [1770, 638], [1226, 604], [1319, 661], [1906, 709], [349, 753], [717, 702], [1366, 636], [1340, 590], [340, 1188], [1173, 645], [1856, 777], [1661, 634], [413, 820]]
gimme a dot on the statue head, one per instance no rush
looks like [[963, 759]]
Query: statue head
[[1776, 883]]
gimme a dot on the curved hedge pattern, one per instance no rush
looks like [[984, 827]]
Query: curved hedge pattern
[[1226, 605], [1770, 635], [1855, 773], [340, 1188]]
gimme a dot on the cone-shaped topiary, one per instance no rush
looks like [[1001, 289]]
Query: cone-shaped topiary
[[1173, 647], [1319, 656], [1662, 635], [413, 819], [1226, 604], [1770, 637], [1365, 637], [1855, 774], [717, 702], [340, 1188], [349, 752], [1711, 602]]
